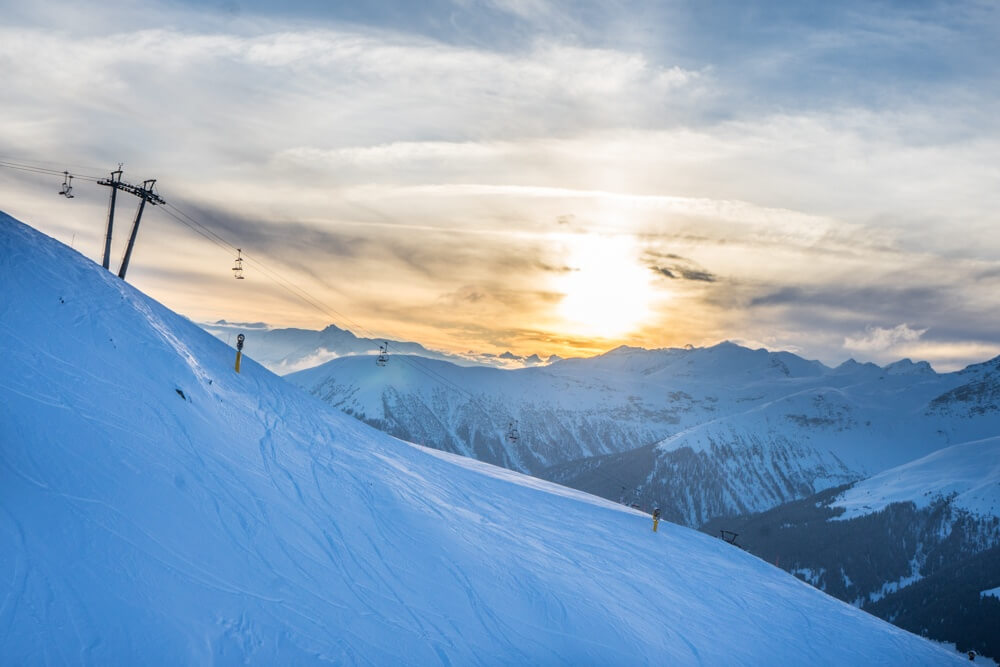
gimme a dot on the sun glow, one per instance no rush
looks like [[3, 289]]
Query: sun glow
[[608, 292]]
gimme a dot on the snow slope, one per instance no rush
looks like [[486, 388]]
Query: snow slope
[[157, 508], [968, 473]]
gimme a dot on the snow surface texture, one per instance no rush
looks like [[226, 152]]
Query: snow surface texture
[[969, 474], [158, 508]]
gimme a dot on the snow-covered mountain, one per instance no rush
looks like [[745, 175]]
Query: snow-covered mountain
[[158, 508], [967, 476], [915, 544], [288, 350], [700, 432]]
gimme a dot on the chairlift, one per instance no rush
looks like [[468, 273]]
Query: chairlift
[[512, 434], [729, 536], [383, 354], [238, 268], [67, 186]]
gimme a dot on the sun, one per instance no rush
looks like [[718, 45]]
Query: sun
[[608, 292]]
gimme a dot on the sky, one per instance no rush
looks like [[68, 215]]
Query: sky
[[533, 176]]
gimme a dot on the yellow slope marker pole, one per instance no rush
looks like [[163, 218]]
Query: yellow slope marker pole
[[239, 350]]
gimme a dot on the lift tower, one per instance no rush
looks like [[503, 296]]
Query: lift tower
[[114, 183], [145, 194]]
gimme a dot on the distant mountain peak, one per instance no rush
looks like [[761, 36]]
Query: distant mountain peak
[[908, 367], [986, 366], [624, 349], [853, 366]]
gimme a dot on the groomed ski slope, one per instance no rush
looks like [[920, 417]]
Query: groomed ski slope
[[247, 521]]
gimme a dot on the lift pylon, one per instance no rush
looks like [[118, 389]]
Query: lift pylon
[[114, 183], [145, 194]]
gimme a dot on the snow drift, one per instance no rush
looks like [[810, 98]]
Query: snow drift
[[157, 508]]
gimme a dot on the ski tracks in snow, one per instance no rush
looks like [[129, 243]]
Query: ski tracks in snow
[[16, 555]]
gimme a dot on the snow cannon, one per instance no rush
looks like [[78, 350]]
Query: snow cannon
[[239, 350]]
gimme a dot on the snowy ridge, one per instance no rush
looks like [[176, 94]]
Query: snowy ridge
[[967, 474], [159, 508]]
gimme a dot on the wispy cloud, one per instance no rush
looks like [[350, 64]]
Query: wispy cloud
[[880, 339]]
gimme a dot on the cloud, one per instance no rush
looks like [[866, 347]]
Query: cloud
[[703, 276], [861, 300], [679, 268], [686, 274], [663, 271], [879, 339], [946, 356], [421, 170]]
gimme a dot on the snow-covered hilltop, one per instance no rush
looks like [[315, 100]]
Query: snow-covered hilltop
[[965, 475], [159, 508], [702, 432]]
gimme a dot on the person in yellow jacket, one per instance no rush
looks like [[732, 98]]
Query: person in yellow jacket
[[656, 518]]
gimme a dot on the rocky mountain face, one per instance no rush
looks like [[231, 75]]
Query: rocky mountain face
[[742, 474], [702, 432], [979, 395]]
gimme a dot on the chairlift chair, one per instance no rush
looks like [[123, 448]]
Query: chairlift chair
[[512, 434], [383, 354], [238, 268], [67, 186]]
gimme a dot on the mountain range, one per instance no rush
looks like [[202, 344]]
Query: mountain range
[[286, 350], [701, 433]]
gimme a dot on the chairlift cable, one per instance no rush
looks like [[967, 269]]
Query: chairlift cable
[[44, 170], [85, 171], [288, 285]]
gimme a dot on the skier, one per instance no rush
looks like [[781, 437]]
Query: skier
[[656, 518]]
